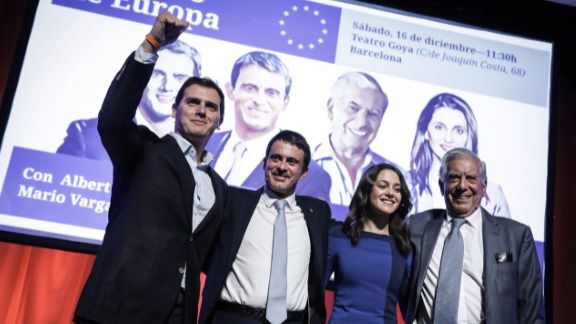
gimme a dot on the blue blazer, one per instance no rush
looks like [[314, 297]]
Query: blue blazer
[[512, 285], [138, 271], [316, 184], [239, 210]]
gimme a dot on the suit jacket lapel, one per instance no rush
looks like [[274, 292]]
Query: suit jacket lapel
[[490, 230], [218, 201], [185, 177], [315, 269], [490, 241], [429, 238], [308, 212]]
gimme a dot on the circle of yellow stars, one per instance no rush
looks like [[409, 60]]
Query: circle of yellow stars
[[300, 45]]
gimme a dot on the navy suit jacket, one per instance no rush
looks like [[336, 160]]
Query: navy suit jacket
[[138, 271], [512, 278], [239, 210], [315, 184]]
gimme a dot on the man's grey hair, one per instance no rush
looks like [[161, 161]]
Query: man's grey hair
[[461, 153], [360, 79]]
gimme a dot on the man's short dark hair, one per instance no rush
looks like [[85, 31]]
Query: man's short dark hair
[[205, 82], [293, 138], [265, 60]]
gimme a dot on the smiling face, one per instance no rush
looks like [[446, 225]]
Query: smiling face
[[447, 130], [386, 195], [356, 115], [463, 186], [170, 72], [284, 167], [197, 114], [259, 97]]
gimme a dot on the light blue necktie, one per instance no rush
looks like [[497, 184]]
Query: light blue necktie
[[239, 150], [448, 287], [276, 303]]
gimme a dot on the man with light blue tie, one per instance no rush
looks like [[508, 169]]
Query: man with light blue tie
[[470, 266], [270, 256]]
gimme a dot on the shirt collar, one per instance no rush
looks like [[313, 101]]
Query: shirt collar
[[254, 145], [189, 149], [474, 220], [269, 197], [324, 150]]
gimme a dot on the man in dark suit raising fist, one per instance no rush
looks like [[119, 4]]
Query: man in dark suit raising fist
[[166, 202]]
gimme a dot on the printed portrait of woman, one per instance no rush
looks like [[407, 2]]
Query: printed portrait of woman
[[446, 122]]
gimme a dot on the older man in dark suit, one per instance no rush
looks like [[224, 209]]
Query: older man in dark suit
[[166, 202], [470, 266], [242, 276]]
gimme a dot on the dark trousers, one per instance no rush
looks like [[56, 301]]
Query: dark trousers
[[176, 315], [224, 317], [227, 315]]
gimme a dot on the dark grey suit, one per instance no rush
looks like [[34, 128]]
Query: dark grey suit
[[512, 284], [239, 209], [138, 270]]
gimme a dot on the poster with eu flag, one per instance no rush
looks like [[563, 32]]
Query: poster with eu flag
[[359, 82]]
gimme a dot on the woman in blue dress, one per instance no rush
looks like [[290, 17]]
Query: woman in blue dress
[[369, 255]]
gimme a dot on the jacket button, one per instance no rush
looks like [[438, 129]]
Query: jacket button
[[181, 270]]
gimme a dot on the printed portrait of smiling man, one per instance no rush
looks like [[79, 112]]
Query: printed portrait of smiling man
[[356, 106], [259, 87], [176, 62]]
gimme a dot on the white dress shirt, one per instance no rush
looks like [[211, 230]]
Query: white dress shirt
[[143, 57], [472, 286], [247, 283]]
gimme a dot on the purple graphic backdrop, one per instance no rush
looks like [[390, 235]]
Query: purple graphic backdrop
[[57, 188], [299, 27]]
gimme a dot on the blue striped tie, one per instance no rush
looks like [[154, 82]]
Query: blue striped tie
[[448, 287]]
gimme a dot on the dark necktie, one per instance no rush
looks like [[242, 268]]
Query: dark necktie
[[276, 303], [448, 287]]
